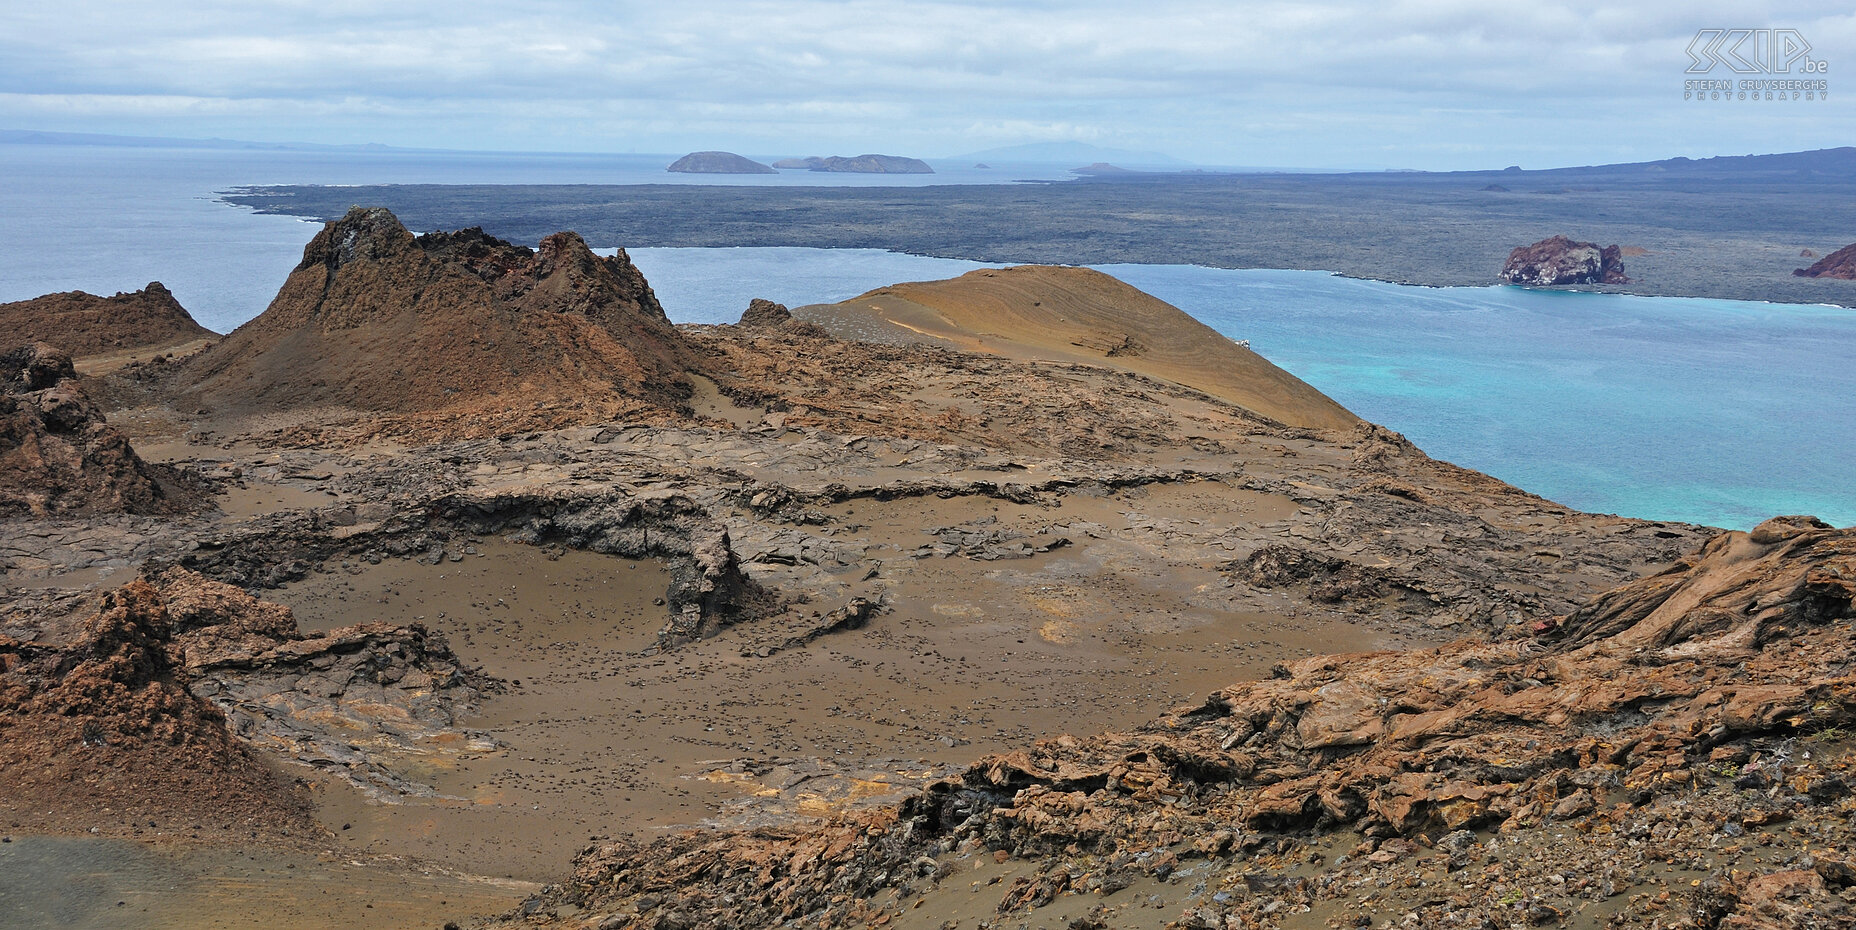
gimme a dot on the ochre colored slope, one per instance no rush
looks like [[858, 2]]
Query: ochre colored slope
[[1081, 315]]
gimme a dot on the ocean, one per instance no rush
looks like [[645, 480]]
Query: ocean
[[1707, 411]]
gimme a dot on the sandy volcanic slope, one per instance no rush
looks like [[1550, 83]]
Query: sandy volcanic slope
[[1081, 315]]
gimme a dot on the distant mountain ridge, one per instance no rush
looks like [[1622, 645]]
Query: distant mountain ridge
[[1833, 161], [1840, 160]]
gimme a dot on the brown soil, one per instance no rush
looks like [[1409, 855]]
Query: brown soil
[[1666, 711], [84, 325], [1080, 315], [603, 731]]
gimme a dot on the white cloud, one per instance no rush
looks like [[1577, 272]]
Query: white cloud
[[1219, 82]]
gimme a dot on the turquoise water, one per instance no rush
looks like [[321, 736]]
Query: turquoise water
[[1718, 412], [1708, 411], [1711, 411]]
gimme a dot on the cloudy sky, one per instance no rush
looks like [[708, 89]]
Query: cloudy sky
[[1331, 83]]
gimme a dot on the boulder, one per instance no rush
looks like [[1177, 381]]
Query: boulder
[[58, 458], [1559, 261], [769, 317]]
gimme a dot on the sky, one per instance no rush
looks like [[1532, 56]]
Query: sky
[[1325, 84]]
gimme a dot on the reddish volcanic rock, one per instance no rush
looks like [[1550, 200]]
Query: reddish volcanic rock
[[57, 455], [85, 325], [1559, 260], [376, 320], [106, 723], [1839, 264]]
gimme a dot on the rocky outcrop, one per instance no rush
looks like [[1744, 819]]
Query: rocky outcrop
[[718, 163], [176, 676], [83, 325], [1669, 699], [1839, 264], [1559, 261], [365, 703], [375, 319], [765, 316], [106, 723], [860, 164], [58, 458]]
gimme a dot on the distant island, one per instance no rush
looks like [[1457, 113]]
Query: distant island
[[718, 163], [861, 164]]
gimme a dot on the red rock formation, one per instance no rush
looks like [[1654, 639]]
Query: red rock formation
[[84, 325], [136, 710], [1839, 264], [58, 457], [106, 723], [1559, 260], [374, 319]]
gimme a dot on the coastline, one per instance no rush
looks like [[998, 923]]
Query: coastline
[[1428, 232]]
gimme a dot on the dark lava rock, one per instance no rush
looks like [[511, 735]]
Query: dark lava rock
[[1559, 260], [1839, 264], [718, 163], [764, 314]]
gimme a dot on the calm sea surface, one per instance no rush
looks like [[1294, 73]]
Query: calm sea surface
[[1720, 412]]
